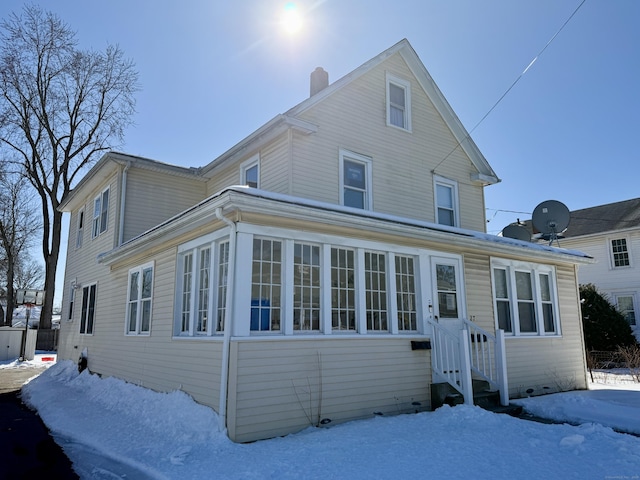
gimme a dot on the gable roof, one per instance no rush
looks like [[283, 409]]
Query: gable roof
[[604, 218], [107, 165], [485, 175]]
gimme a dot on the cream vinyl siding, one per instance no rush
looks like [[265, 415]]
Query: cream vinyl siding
[[354, 119], [274, 168], [557, 363], [479, 290], [153, 197], [277, 387], [155, 361], [82, 267]]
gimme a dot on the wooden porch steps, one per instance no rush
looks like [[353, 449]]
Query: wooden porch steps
[[445, 394]]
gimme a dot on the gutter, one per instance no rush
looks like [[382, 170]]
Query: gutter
[[224, 373], [123, 197]]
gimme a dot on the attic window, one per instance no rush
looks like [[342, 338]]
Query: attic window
[[398, 103]]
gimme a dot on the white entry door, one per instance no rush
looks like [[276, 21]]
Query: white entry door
[[446, 282]]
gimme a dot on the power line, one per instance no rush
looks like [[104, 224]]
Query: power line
[[511, 86]]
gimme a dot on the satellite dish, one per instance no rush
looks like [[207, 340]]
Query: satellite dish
[[551, 218], [516, 231]]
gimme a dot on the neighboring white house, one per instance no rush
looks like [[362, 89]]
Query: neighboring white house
[[611, 234], [348, 273]]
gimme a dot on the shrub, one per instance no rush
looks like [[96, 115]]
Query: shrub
[[605, 328]]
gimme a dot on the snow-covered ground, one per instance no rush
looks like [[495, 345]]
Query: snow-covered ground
[[111, 429]]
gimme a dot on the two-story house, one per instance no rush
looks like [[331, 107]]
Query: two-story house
[[331, 265], [611, 234]]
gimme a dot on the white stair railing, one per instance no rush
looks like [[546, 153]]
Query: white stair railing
[[488, 358], [451, 361], [456, 354]]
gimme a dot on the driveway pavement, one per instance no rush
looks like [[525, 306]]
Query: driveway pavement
[[27, 449]]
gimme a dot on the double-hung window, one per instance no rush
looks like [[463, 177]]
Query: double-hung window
[[619, 253], [626, 305], [250, 172], [446, 200], [398, 103], [355, 180], [201, 297], [100, 213], [139, 300], [87, 313], [80, 230], [524, 298]]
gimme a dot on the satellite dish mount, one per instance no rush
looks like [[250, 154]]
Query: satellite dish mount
[[551, 218]]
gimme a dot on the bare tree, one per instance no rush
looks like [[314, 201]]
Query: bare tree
[[19, 227], [60, 109]]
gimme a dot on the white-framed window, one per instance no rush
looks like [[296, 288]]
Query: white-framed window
[[250, 172], [446, 201], [266, 285], [306, 287], [88, 311], [626, 304], [398, 102], [201, 279], [100, 213], [355, 180], [80, 229], [619, 253], [72, 297], [375, 280], [525, 298], [343, 290], [406, 293], [139, 296]]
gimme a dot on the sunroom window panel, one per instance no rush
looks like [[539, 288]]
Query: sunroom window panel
[[187, 272], [266, 280], [223, 269], [306, 298], [406, 294], [343, 313], [375, 291], [203, 290]]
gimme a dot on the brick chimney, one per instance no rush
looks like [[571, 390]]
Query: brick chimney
[[319, 81]]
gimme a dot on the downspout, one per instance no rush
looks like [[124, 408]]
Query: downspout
[[224, 374], [123, 196]]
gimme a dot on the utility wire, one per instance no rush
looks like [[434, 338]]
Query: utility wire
[[512, 85]]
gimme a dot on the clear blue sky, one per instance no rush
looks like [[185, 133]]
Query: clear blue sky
[[212, 72]]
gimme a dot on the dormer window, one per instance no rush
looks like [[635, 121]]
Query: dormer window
[[398, 103], [250, 172]]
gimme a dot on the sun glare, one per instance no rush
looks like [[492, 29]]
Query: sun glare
[[291, 20]]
